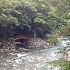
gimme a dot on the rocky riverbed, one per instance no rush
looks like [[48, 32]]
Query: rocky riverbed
[[33, 43], [34, 59], [39, 43]]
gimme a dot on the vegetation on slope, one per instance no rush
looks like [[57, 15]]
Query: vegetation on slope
[[34, 18]]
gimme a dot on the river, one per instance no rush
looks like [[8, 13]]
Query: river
[[33, 59]]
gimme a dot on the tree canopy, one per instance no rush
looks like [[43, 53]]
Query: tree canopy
[[33, 17]]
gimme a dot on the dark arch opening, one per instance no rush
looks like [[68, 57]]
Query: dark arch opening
[[21, 41]]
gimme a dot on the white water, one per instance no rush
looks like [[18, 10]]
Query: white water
[[33, 59]]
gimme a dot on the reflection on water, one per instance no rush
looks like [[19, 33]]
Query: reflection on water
[[31, 59]]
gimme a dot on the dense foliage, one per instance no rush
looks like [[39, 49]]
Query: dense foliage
[[63, 63], [35, 18]]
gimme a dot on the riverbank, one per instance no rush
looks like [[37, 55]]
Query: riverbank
[[33, 43], [39, 43]]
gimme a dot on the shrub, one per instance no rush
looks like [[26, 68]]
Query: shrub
[[63, 63], [52, 38]]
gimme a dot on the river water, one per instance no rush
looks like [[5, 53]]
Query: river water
[[33, 59]]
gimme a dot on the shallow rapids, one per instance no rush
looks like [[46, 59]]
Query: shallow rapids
[[33, 59]]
